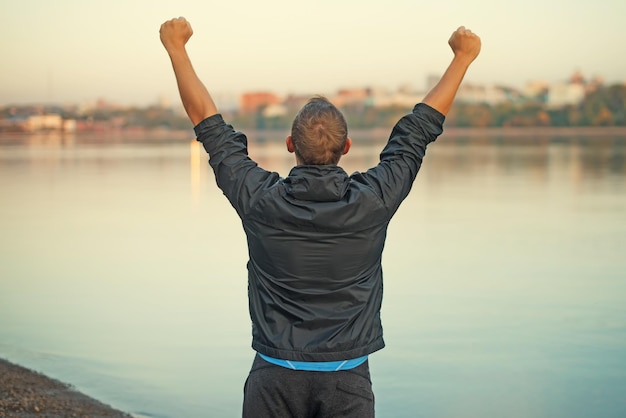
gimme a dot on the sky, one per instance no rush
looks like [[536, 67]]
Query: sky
[[77, 51]]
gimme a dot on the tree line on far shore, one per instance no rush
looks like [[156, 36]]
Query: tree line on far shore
[[605, 106]]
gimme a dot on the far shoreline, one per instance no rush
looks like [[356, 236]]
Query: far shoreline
[[165, 136]]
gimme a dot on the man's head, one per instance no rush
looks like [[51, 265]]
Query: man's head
[[319, 134]]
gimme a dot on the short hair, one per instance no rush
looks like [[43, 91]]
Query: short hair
[[319, 132]]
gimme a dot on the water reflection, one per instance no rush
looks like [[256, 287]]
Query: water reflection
[[586, 158], [196, 156]]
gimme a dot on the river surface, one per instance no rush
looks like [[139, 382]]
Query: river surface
[[122, 272]]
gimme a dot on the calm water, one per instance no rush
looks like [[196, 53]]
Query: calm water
[[122, 272]]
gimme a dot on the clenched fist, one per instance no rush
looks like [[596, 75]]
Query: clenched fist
[[175, 33], [465, 44]]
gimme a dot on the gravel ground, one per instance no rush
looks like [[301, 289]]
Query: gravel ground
[[27, 394]]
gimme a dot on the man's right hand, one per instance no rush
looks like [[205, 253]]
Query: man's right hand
[[175, 33], [465, 44], [195, 97]]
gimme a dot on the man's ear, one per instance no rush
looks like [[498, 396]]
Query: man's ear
[[289, 143], [346, 148]]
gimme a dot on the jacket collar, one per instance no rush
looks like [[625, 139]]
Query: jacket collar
[[319, 183]]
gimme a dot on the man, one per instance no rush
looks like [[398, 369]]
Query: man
[[315, 239]]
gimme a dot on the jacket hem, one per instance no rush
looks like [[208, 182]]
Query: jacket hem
[[318, 356]]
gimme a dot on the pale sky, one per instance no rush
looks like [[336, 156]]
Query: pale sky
[[77, 51]]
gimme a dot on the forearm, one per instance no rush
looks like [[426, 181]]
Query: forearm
[[195, 97], [442, 95], [466, 46]]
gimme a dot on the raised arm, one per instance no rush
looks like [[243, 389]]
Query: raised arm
[[195, 97], [466, 47]]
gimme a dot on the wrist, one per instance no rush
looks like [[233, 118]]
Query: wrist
[[463, 60], [174, 50]]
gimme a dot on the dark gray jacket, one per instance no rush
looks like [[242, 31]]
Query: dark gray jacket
[[315, 239]]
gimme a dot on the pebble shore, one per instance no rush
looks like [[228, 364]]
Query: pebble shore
[[28, 394]]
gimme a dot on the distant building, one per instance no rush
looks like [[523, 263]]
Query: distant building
[[537, 89], [403, 97], [254, 102], [295, 102], [45, 123], [577, 78], [351, 97], [275, 110], [594, 84], [573, 91], [38, 123], [474, 93], [565, 94]]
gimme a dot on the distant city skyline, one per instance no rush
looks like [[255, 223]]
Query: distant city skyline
[[76, 52]]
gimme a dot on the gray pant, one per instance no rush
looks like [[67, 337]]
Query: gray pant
[[277, 392]]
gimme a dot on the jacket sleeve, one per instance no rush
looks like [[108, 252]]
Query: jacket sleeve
[[239, 177], [402, 157]]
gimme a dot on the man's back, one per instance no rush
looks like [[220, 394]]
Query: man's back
[[315, 240], [315, 267]]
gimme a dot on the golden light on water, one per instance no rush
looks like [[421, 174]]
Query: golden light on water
[[196, 155]]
